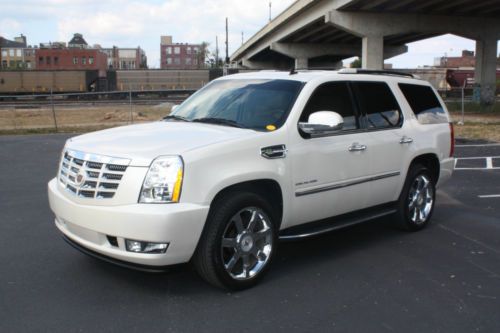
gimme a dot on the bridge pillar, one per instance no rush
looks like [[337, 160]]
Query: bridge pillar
[[301, 63], [486, 69], [373, 52]]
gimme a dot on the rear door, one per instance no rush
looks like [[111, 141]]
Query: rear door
[[390, 142]]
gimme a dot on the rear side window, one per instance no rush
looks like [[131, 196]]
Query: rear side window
[[378, 105], [424, 103], [332, 96]]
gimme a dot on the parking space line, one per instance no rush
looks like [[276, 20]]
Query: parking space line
[[485, 196], [488, 162], [479, 145]]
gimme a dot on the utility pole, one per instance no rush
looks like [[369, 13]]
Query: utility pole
[[216, 51], [270, 4], [227, 44], [242, 38]]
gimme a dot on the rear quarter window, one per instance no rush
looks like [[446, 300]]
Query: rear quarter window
[[424, 103], [378, 105]]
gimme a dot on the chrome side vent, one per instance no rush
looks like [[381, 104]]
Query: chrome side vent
[[272, 152]]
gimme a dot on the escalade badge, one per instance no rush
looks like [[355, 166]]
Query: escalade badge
[[80, 178]]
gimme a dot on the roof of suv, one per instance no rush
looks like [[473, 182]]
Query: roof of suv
[[309, 75]]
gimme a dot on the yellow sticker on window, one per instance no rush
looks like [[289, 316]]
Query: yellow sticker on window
[[270, 127]]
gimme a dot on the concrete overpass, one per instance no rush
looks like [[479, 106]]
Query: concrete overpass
[[320, 33]]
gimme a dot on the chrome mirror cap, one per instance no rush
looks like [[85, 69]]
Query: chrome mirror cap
[[322, 122]]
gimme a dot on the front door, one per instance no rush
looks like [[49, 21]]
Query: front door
[[330, 173]]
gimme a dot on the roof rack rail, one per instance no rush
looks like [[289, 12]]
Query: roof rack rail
[[374, 72]]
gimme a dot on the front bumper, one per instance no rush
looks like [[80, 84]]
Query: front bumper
[[179, 224]]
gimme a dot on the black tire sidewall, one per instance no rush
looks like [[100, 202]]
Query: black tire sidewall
[[224, 210]]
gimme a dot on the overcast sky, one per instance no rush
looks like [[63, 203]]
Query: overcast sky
[[129, 23]]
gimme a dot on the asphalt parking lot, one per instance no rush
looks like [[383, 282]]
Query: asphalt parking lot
[[368, 278]]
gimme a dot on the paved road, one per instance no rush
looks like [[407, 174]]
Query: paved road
[[369, 278]]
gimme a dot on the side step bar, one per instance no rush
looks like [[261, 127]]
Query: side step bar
[[335, 223]]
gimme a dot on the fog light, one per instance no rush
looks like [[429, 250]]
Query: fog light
[[145, 247]]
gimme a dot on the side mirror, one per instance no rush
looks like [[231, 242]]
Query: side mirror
[[322, 122], [174, 107]]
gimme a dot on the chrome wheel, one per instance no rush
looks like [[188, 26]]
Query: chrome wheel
[[420, 199], [247, 243]]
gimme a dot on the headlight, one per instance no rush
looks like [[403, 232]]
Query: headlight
[[163, 181]]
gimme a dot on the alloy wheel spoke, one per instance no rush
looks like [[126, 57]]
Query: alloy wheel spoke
[[246, 265], [238, 222], [234, 259], [253, 221], [262, 234]]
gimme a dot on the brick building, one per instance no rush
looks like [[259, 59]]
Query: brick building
[[179, 55], [126, 58], [71, 59], [467, 60], [16, 54]]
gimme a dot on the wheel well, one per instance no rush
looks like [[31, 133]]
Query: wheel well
[[269, 189], [431, 162]]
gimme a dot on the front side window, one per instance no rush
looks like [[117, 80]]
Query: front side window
[[424, 103], [255, 104], [378, 105], [336, 97]]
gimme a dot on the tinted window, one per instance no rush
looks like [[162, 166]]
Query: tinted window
[[424, 103], [378, 105], [249, 103], [333, 96]]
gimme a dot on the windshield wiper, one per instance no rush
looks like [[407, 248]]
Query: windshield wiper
[[174, 117], [218, 121]]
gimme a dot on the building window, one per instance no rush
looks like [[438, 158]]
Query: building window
[[4, 63], [177, 61], [169, 61], [56, 60], [91, 60], [4, 53], [195, 61], [177, 50], [28, 64], [19, 53], [169, 50], [40, 60], [11, 52], [196, 50], [47, 60], [75, 61], [84, 61], [188, 50], [188, 61]]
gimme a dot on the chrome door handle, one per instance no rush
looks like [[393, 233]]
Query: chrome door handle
[[405, 140], [357, 147]]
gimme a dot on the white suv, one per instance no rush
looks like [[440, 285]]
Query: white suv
[[250, 159]]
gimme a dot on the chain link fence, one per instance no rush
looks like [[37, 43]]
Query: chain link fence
[[80, 112]]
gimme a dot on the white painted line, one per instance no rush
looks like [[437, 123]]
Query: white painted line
[[459, 169], [489, 196], [476, 157], [482, 145], [489, 163]]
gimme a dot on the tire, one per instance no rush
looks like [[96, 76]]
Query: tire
[[238, 243], [416, 201]]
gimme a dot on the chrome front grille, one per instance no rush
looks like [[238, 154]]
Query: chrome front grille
[[90, 175]]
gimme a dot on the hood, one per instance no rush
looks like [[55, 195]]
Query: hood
[[143, 142]]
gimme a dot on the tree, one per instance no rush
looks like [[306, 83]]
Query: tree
[[356, 63], [203, 55]]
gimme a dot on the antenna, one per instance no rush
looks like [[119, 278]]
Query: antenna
[[227, 43]]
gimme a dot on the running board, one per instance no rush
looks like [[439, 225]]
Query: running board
[[335, 223]]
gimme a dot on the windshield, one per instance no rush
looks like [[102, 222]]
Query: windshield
[[256, 104]]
